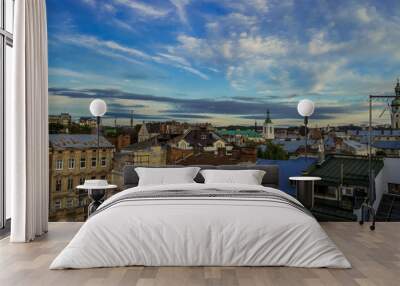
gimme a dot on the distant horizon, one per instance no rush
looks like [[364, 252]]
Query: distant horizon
[[223, 61], [110, 123]]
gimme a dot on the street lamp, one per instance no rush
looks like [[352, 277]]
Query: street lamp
[[98, 108], [305, 108]]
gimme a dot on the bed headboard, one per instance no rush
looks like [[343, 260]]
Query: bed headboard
[[270, 179]]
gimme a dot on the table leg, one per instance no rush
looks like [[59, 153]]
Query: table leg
[[97, 197], [305, 193]]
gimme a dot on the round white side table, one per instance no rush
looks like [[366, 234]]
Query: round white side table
[[305, 190], [96, 192]]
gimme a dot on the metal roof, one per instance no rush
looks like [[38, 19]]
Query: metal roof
[[392, 145], [375, 132], [292, 146], [77, 141], [355, 170], [246, 132]]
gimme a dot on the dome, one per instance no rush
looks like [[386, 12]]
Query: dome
[[396, 102]]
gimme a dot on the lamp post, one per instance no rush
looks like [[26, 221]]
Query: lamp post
[[98, 108], [305, 108]]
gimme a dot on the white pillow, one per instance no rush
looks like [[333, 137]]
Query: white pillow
[[248, 177], [166, 176]]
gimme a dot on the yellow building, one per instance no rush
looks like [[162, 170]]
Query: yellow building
[[73, 158], [144, 154]]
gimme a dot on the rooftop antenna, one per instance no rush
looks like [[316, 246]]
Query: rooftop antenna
[[115, 121]]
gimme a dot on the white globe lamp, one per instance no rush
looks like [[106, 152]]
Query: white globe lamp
[[305, 108], [98, 107]]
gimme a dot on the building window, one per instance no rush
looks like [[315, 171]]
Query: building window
[[81, 180], [83, 163], [203, 136], [327, 192], [59, 164], [142, 159], [71, 163], [103, 161], [94, 162], [93, 178], [394, 188], [70, 184], [58, 185], [70, 203], [57, 204], [103, 177]]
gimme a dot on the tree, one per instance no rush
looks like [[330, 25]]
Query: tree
[[273, 152]]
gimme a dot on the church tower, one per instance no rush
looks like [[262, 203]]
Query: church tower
[[143, 134], [395, 112], [268, 128]]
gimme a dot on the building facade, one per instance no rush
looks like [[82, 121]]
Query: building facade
[[344, 186], [88, 122], [395, 108], [74, 158], [63, 119]]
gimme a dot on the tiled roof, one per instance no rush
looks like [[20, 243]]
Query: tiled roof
[[201, 137], [77, 141], [355, 170], [142, 145]]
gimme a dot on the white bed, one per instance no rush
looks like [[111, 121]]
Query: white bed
[[202, 231]]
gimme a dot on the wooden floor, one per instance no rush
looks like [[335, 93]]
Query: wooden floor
[[375, 257]]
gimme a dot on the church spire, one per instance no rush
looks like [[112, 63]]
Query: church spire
[[397, 88], [268, 118]]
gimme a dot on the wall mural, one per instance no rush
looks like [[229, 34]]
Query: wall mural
[[216, 82]]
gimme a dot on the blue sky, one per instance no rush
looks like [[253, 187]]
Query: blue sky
[[223, 61]]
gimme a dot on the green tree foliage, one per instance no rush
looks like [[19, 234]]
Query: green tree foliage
[[273, 152]]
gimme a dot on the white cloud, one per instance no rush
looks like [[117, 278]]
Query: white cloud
[[365, 14], [116, 50], [325, 74], [90, 2], [66, 73], [258, 6], [193, 46], [271, 45], [121, 24], [109, 8], [319, 45], [179, 62], [180, 6], [144, 9]]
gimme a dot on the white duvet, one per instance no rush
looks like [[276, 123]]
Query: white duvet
[[203, 232]]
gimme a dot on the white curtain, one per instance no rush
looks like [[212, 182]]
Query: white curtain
[[26, 124]]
